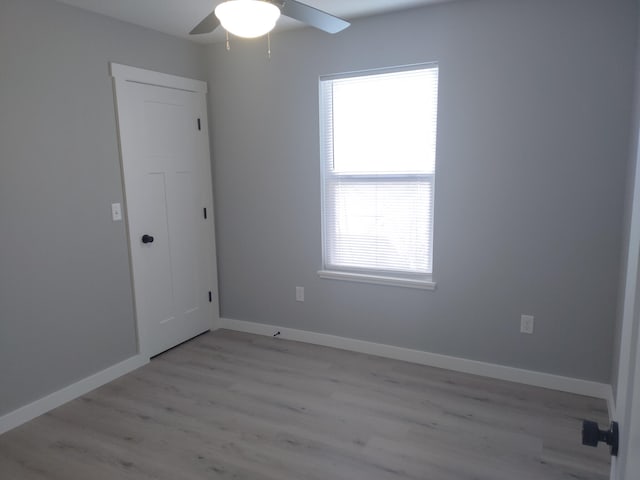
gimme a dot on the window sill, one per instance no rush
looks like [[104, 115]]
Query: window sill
[[377, 279]]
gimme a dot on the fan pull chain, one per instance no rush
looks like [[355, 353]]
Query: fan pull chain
[[269, 45], [228, 45]]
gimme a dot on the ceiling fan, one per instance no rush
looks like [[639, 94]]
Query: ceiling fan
[[266, 12]]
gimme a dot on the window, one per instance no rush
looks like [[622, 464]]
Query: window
[[378, 150]]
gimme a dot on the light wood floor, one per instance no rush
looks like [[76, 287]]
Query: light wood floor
[[229, 405]]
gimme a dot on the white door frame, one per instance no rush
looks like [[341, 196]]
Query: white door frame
[[627, 362], [627, 405], [122, 74]]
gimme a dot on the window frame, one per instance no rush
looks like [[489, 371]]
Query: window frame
[[371, 275]]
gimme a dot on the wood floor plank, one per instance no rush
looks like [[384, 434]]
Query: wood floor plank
[[231, 405]]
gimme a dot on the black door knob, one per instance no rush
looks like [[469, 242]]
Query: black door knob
[[591, 435], [147, 238]]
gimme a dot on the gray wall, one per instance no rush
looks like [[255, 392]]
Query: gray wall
[[65, 293], [535, 106]]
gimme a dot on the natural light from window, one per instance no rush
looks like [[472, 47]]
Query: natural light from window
[[378, 134]]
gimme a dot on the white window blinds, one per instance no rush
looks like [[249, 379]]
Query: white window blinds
[[378, 148]]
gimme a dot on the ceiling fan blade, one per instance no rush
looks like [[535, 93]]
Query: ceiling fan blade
[[207, 25], [312, 16]]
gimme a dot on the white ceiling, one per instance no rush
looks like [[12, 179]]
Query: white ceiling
[[178, 17]]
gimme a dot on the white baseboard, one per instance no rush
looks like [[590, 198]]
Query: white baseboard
[[491, 370], [43, 405]]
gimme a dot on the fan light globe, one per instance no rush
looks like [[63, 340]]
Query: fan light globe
[[248, 18]]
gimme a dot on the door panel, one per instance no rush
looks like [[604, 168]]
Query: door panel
[[167, 175], [158, 297], [186, 214]]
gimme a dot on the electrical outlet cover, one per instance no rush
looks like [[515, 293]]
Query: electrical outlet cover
[[526, 324]]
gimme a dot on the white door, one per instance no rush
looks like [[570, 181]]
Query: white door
[[167, 179], [627, 402], [627, 406]]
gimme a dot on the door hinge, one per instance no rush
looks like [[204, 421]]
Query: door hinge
[[210, 297], [199, 126], [205, 212]]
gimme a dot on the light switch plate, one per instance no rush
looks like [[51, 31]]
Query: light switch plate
[[116, 212]]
